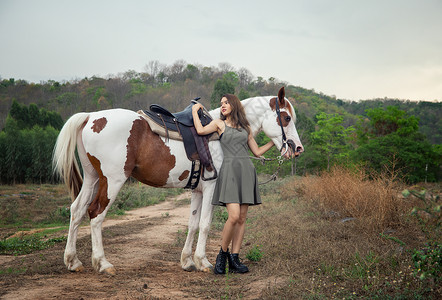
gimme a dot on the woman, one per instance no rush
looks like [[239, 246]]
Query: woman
[[237, 183]]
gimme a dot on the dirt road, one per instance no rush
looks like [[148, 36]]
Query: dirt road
[[144, 246]]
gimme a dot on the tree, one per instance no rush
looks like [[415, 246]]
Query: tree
[[26, 147], [245, 77], [226, 85], [331, 138], [391, 139]]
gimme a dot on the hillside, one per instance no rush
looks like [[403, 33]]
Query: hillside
[[173, 86]]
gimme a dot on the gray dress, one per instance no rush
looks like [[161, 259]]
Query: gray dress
[[237, 181]]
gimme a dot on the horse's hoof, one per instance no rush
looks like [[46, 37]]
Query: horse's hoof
[[208, 269], [79, 269], [190, 269], [110, 271]]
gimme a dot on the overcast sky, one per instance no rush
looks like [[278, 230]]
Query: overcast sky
[[347, 48]]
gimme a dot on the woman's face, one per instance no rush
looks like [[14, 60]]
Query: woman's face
[[226, 108]]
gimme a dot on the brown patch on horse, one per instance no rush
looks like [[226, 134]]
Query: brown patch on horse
[[99, 124], [184, 175], [284, 118], [282, 104], [101, 200], [75, 181], [148, 159]]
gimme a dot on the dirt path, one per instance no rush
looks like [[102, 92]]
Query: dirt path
[[144, 246]]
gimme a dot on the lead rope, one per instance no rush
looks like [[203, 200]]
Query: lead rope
[[275, 174]]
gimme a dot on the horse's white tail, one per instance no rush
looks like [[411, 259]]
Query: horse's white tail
[[63, 161]]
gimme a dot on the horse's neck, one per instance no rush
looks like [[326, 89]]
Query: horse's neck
[[255, 109]]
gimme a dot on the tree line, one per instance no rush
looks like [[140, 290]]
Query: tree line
[[26, 144], [375, 133]]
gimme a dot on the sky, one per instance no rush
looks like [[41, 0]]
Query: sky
[[350, 49]]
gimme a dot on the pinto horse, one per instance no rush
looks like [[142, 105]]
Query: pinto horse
[[115, 144]]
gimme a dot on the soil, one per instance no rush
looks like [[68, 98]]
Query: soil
[[144, 246]]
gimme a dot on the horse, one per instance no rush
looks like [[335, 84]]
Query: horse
[[114, 144]]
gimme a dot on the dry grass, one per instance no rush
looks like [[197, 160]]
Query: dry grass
[[308, 254], [374, 200]]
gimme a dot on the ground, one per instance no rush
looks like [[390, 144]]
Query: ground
[[144, 246]]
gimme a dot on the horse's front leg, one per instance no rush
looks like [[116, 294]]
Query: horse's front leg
[[200, 258], [78, 210], [195, 212]]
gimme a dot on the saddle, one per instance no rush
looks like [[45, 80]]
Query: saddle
[[179, 126]]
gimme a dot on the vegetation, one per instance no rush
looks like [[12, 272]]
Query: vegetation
[[25, 245], [48, 206], [26, 144], [370, 133], [344, 235], [342, 230], [340, 234]]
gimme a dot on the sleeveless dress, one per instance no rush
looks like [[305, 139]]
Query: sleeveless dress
[[237, 181]]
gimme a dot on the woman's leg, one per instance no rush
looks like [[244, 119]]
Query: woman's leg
[[238, 234], [234, 211]]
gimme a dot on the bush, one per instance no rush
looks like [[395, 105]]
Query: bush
[[255, 253], [351, 193]]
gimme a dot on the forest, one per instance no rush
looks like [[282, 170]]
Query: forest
[[397, 135]]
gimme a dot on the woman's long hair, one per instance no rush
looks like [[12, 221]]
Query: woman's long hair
[[238, 115]]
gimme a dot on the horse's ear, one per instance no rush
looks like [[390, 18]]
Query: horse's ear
[[281, 95]]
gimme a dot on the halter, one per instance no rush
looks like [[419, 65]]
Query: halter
[[284, 145], [284, 138]]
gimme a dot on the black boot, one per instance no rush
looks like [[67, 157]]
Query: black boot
[[221, 261], [235, 265]]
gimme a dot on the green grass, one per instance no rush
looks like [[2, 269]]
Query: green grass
[[26, 207], [27, 244], [11, 270], [255, 253], [220, 216], [134, 195]]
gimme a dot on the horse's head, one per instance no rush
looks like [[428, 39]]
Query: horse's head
[[279, 125]]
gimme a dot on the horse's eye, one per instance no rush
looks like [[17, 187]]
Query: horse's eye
[[288, 118]]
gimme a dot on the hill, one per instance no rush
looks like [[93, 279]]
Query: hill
[[173, 86]]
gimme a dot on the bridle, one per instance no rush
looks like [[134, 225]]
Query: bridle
[[285, 146], [284, 137]]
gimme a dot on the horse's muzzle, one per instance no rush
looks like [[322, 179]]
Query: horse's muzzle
[[295, 150]]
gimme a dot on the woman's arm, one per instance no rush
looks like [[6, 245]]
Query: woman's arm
[[256, 150], [213, 126]]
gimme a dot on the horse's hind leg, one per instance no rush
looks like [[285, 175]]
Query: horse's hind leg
[[78, 210], [107, 192], [195, 213]]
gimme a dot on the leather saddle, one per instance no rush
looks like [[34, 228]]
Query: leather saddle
[[181, 124]]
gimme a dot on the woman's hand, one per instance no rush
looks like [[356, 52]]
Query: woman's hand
[[196, 107], [214, 125]]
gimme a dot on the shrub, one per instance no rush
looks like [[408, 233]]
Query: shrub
[[255, 253], [351, 193]]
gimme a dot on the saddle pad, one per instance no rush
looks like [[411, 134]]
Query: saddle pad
[[161, 131]]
